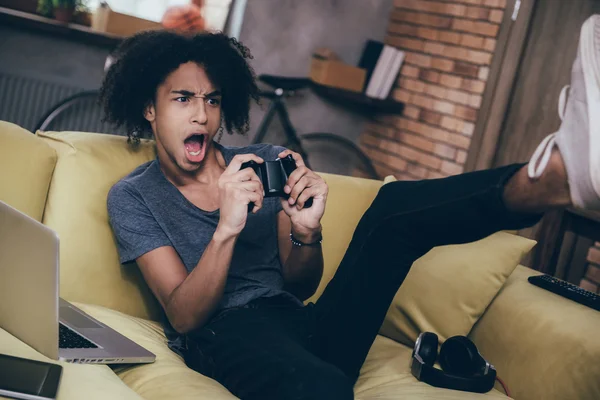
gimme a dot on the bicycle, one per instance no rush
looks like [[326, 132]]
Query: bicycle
[[321, 151]]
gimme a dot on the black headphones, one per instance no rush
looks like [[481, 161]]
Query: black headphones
[[464, 368]]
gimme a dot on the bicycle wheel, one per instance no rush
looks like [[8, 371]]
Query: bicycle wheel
[[335, 154], [79, 112]]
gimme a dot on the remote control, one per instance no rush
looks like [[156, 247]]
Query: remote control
[[566, 289]]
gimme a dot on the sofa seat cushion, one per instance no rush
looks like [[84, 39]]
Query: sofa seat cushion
[[386, 375], [552, 341], [26, 166], [168, 377], [78, 381]]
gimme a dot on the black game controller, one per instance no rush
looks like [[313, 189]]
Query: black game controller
[[274, 175]]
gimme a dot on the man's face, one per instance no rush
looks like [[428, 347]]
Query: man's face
[[185, 116]]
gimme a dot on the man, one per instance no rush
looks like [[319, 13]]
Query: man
[[232, 282]]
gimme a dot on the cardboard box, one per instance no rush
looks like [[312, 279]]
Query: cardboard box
[[107, 20], [331, 72]]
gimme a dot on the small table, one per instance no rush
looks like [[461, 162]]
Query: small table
[[553, 228]]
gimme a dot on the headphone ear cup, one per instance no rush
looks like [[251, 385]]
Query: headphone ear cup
[[459, 356], [428, 347]]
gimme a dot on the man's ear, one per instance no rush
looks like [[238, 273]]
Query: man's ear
[[150, 112]]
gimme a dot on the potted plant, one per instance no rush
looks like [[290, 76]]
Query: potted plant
[[61, 10], [83, 14]]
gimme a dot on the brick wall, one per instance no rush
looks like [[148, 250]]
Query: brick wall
[[449, 47], [591, 280]]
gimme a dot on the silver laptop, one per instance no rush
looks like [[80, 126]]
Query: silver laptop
[[30, 307]]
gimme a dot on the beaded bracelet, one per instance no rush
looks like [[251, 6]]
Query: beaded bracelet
[[296, 242]]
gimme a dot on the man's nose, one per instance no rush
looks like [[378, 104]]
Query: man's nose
[[199, 115]]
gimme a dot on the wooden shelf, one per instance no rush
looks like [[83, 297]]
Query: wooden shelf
[[24, 20], [358, 101]]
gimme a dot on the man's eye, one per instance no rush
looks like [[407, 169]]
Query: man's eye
[[214, 102], [181, 99]]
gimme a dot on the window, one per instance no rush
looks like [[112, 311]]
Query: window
[[214, 11]]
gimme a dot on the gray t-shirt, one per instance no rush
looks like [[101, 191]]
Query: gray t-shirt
[[147, 211]]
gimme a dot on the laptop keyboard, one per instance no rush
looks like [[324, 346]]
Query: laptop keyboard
[[67, 339]]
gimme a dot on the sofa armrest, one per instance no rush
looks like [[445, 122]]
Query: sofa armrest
[[542, 345]]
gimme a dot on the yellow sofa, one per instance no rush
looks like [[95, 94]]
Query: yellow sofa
[[543, 346]]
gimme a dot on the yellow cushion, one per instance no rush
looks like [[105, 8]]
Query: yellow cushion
[[348, 199], [386, 375], [89, 164], [89, 382], [449, 288], [26, 166], [168, 377], [543, 345]]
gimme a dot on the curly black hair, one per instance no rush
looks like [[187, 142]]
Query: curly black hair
[[144, 61]]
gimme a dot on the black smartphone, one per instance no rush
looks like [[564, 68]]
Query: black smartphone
[[21, 378]]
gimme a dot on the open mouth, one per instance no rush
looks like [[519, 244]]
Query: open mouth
[[194, 143], [194, 146]]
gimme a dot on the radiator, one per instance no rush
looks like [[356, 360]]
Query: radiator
[[24, 101]]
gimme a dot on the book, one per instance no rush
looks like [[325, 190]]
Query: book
[[382, 63], [392, 73], [380, 72]]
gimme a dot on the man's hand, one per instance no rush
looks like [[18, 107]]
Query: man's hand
[[301, 185], [237, 189]]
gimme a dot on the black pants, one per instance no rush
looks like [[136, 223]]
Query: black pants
[[272, 349]]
